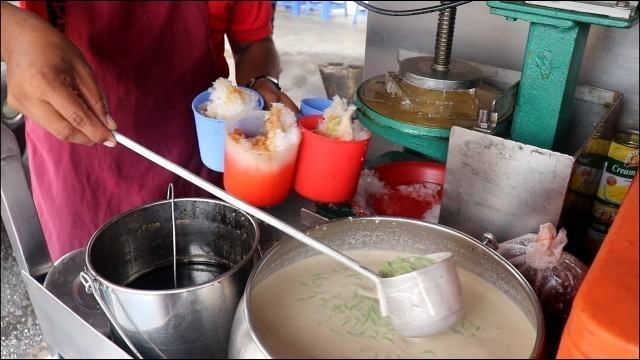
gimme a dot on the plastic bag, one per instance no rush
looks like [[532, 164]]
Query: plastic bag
[[555, 275]]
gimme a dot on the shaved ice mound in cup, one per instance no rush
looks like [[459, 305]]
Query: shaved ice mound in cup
[[331, 155], [211, 109], [338, 123], [409, 189], [260, 155], [227, 100]]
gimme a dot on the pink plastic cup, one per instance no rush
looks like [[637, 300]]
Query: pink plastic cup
[[327, 169]]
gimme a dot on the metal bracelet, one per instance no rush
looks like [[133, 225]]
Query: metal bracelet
[[273, 80]]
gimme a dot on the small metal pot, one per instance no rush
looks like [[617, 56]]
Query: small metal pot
[[130, 263], [386, 233]]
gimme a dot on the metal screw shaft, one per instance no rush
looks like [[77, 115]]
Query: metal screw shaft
[[444, 38]]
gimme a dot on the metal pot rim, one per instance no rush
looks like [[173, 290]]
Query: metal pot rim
[[537, 350], [225, 275]]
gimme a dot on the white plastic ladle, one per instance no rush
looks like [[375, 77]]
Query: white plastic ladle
[[420, 303]]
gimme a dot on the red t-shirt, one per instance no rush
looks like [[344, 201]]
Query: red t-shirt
[[241, 21]]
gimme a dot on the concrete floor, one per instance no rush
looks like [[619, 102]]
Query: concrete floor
[[305, 43]]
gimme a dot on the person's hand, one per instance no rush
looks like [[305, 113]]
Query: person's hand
[[271, 94], [258, 58], [50, 81]]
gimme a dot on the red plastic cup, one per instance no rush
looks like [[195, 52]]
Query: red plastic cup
[[328, 169], [259, 178]]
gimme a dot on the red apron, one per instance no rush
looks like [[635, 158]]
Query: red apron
[[150, 59]]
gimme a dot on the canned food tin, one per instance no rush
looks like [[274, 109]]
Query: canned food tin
[[602, 216], [620, 167], [588, 167]]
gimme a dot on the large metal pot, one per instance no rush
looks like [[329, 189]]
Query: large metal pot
[[386, 233], [130, 261]]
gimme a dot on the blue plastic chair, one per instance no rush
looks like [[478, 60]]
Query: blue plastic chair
[[359, 11], [295, 6], [326, 7]]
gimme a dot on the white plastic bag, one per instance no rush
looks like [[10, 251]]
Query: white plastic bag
[[555, 275]]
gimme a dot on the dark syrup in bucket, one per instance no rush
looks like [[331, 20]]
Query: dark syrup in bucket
[[188, 273]]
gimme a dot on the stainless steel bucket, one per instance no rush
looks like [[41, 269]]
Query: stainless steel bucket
[[386, 233], [130, 261]]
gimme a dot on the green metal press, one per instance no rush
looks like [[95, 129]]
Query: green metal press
[[552, 61]]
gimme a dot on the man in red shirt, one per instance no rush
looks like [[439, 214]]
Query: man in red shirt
[[146, 61]]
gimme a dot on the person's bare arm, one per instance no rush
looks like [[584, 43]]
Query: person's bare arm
[[49, 80], [259, 58]]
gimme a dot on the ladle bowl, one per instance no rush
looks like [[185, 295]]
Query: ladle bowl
[[401, 304], [426, 301]]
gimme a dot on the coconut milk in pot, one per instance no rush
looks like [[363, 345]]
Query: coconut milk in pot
[[304, 305]]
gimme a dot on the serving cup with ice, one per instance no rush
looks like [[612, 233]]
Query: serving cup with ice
[[260, 155], [211, 109], [331, 155]]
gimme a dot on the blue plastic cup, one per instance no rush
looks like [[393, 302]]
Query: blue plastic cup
[[211, 132], [314, 106]]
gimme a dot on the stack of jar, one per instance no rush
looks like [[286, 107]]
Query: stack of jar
[[620, 167]]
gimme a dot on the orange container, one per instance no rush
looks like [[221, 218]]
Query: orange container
[[603, 322], [328, 169], [261, 178]]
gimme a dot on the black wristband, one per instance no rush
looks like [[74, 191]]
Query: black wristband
[[273, 80]]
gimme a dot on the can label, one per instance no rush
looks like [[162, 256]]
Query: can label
[[602, 216], [620, 167], [587, 172]]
